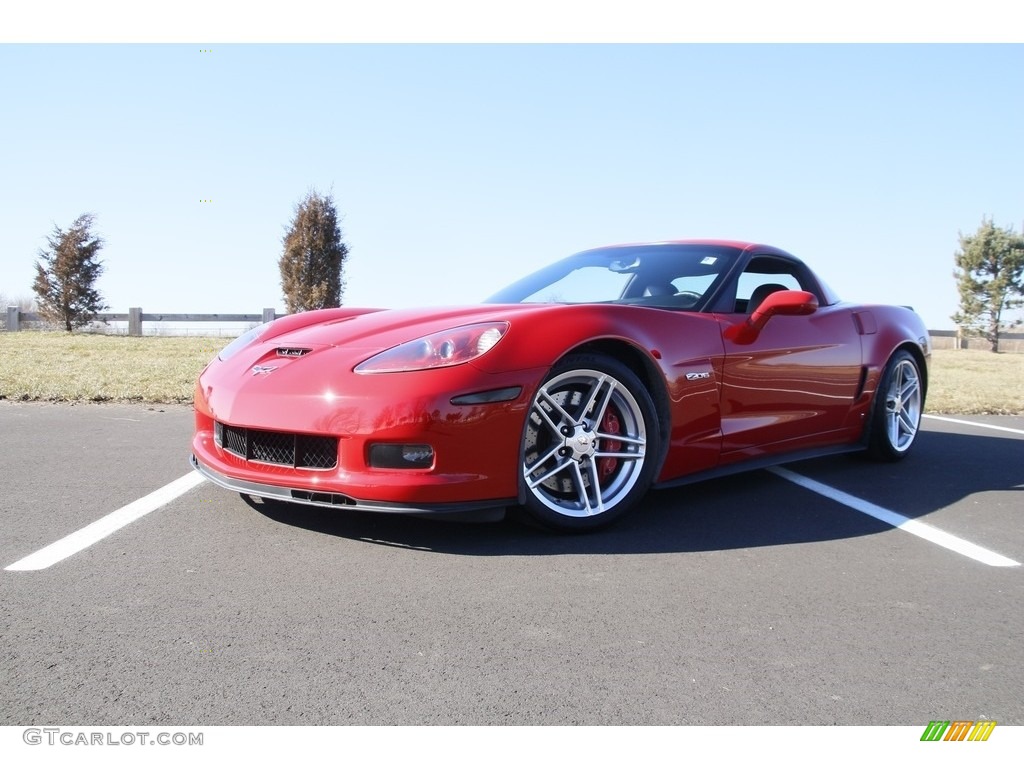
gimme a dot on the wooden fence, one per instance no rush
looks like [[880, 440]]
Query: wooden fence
[[1008, 342], [136, 317]]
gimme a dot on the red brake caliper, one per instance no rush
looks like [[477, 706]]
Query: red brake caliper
[[610, 426]]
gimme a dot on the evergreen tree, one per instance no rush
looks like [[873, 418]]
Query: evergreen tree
[[66, 274], [990, 277], [313, 262]]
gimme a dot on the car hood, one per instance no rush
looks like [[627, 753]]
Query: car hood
[[538, 334], [350, 339], [382, 329]]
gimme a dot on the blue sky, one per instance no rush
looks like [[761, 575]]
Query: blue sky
[[459, 168]]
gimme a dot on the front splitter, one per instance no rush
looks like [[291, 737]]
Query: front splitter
[[488, 510]]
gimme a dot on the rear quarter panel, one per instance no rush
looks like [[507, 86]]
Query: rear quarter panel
[[885, 329]]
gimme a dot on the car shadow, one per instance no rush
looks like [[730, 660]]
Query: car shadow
[[752, 509]]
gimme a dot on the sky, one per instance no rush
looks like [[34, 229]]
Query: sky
[[458, 168]]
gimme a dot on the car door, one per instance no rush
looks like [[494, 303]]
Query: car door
[[794, 384]]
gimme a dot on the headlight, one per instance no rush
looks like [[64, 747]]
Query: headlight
[[438, 350], [242, 342]]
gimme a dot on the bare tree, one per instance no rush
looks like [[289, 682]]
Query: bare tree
[[23, 303]]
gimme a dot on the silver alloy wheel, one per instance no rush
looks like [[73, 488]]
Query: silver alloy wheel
[[903, 405], [585, 443]]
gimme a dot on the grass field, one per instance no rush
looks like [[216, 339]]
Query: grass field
[[44, 365], [57, 366], [976, 381]]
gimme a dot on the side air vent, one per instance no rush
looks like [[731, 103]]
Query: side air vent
[[291, 351]]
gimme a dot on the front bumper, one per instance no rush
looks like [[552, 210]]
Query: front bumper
[[475, 445], [493, 509]]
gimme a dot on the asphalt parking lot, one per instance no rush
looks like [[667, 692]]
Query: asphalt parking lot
[[744, 601]]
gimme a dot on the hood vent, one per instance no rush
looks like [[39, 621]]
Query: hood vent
[[291, 351]]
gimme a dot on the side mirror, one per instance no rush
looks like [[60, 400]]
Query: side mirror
[[778, 303]]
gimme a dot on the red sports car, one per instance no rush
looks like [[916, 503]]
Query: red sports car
[[568, 394]]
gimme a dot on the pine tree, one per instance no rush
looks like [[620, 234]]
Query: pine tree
[[66, 274], [990, 277], [313, 262]]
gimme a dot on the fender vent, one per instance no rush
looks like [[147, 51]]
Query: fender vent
[[291, 351], [861, 382]]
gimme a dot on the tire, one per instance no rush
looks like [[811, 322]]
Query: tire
[[589, 446], [896, 413]]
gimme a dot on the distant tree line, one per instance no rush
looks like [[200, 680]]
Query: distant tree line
[[23, 303]]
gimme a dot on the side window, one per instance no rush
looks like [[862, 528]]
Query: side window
[[762, 277], [749, 281]]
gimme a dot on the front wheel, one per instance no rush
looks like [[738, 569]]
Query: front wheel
[[896, 414], [589, 445]]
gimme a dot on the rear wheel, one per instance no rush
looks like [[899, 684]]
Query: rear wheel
[[589, 445], [896, 414]]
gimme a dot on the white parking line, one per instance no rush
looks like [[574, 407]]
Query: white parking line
[[86, 537], [923, 530], [975, 424]]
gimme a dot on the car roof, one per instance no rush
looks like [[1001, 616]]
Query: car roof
[[740, 245]]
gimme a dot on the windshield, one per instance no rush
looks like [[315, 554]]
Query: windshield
[[670, 276]]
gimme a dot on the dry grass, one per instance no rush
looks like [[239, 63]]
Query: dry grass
[[975, 381], [158, 369], [48, 365]]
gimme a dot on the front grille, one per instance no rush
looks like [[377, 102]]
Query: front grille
[[283, 448]]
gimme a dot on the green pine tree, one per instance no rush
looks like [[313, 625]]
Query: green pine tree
[[990, 277]]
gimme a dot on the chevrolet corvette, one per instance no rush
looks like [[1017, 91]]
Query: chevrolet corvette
[[568, 394]]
